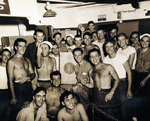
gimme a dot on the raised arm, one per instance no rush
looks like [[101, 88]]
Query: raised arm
[[39, 57], [128, 70], [10, 75]]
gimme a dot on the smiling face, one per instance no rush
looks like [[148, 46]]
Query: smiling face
[[58, 38], [5, 56], [55, 49], [95, 57], [122, 41], [113, 33], [110, 48], [101, 34], [78, 41], [145, 42], [91, 26], [135, 38], [87, 39], [69, 102], [69, 40], [78, 56], [39, 37], [39, 98], [56, 80], [45, 50], [21, 48]]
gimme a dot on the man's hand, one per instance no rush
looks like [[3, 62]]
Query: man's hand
[[13, 101], [129, 94], [23, 79], [108, 96], [143, 82]]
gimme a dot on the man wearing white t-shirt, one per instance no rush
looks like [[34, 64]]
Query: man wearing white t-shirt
[[4, 92], [127, 50], [121, 65]]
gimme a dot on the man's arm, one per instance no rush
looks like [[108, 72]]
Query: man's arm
[[89, 84], [145, 80], [54, 61], [10, 75], [82, 112], [32, 74], [129, 74], [39, 57], [131, 59], [116, 78]]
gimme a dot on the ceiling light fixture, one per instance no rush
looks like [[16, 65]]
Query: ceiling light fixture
[[49, 12]]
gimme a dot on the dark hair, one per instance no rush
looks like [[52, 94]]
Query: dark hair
[[95, 32], [94, 50], [38, 89], [77, 36], [77, 49], [56, 34], [135, 32], [109, 41], [87, 33], [114, 27], [65, 94], [55, 73], [39, 30], [5, 50], [17, 41], [122, 34], [91, 22]]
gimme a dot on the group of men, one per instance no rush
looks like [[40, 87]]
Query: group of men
[[103, 73]]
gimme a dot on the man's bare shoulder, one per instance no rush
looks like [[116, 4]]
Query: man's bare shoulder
[[12, 60], [79, 106], [62, 112]]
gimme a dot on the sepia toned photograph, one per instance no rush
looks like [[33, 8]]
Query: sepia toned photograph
[[74, 60]]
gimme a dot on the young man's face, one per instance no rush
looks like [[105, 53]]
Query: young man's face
[[21, 48], [5, 56], [69, 40], [55, 49], [135, 38], [91, 27], [78, 41], [58, 39], [78, 56], [39, 37], [69, 102], [145, 42], [122, 41], [39, 98], [45, 50], [113, 33], [101, 34], [56, 80], [95, 57], [94, 36], [87, 39], [110, 48]]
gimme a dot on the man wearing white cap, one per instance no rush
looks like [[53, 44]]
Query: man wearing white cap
[[45, 63]]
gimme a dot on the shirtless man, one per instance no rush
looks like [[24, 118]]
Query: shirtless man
[[45, 63], [102, 75], [71, 111], [20, 75], [53, 95]]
